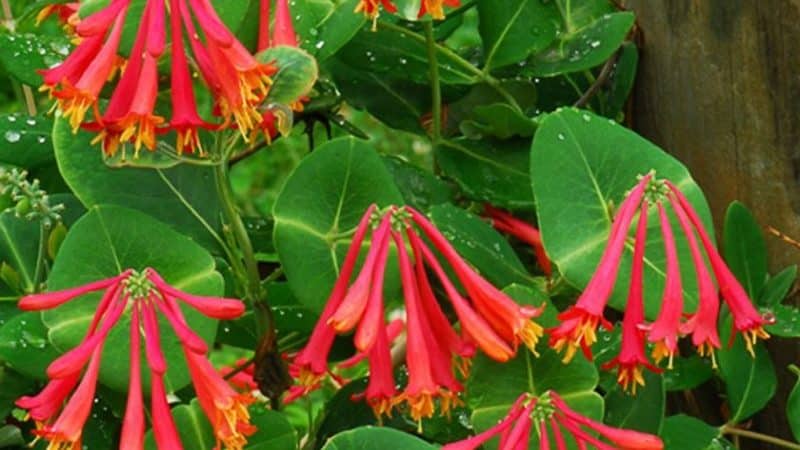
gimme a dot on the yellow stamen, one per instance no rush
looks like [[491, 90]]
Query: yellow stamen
[[751, 337], [661, 351], [530, 334]]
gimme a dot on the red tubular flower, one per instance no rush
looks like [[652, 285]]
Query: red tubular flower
[[550, 410], [509, 320], [67, 14], [579, 322], [632, 358], [507, 223], [263, 27], [132, 436], [225, 408], [67, 430], [746, 318], [664, 331], [620, 438], [76, 83], [436, 7], [436, 354], [237, 80], [702, 325], [311, 364], [145, 293], [371, 8], [284, 30]]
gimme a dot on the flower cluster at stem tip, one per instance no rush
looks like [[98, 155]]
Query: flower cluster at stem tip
[[437, 357], [578, 324], [29, 200], [550, 417], [199, 43], [63, 406]]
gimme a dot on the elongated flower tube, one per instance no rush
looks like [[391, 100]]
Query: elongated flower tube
[[702, 325], [284, 33], [372, 8], [632, 358], [664, 332], [237, 81], [436, 7], [579, 323], [437, 356], [507, 223], [746, 318], [143, 295], [551, 414]]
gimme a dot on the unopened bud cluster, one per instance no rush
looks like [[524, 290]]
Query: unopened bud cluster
[[29, 200]]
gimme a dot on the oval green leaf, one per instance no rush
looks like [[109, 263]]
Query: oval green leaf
[[297, 73], [104, 243], [597, 161], [322, 200], [375, 438]]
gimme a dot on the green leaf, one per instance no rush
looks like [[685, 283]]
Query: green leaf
[[420, 188], [337, 29], [777, 287], [490, 171], [597, 161], [683, 432], [183, 196], [325, 197], [375, 438], [19, 247], [11, 437], [26, 141], [498, 120], [643, 411], [793, 407], [787, 321], [23, 54], [12, 386], [744, 248], [477, 242], [21, 335], [494, 387], [274, 431], [584, 48], [513, 29], [398, 103], [401, 53], [297, 73], [104, 243], [750, 382], [688, 373]]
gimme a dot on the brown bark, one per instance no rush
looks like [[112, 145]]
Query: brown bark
[[719, 87]]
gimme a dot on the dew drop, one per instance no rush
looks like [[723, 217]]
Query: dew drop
[[12, 136], [560, 137], [320, 44]]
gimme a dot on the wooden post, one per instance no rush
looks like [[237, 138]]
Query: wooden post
[[719, 87]]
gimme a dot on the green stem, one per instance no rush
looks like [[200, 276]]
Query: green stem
[[456, 59], [252, 283], [40, 263], [794, 369], [759, 437], [436, 87]]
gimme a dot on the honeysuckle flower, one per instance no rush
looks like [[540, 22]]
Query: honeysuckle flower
[[437, 357], [579, 323], [550, 411], [436, 7], [67, 14], [521, 230], [702, 325], [284, 33], [746, 319], [632, 359], [372, 8], [143, 295], [664, 332], [237, 81]]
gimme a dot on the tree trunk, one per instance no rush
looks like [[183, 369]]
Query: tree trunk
[[719, 87]]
